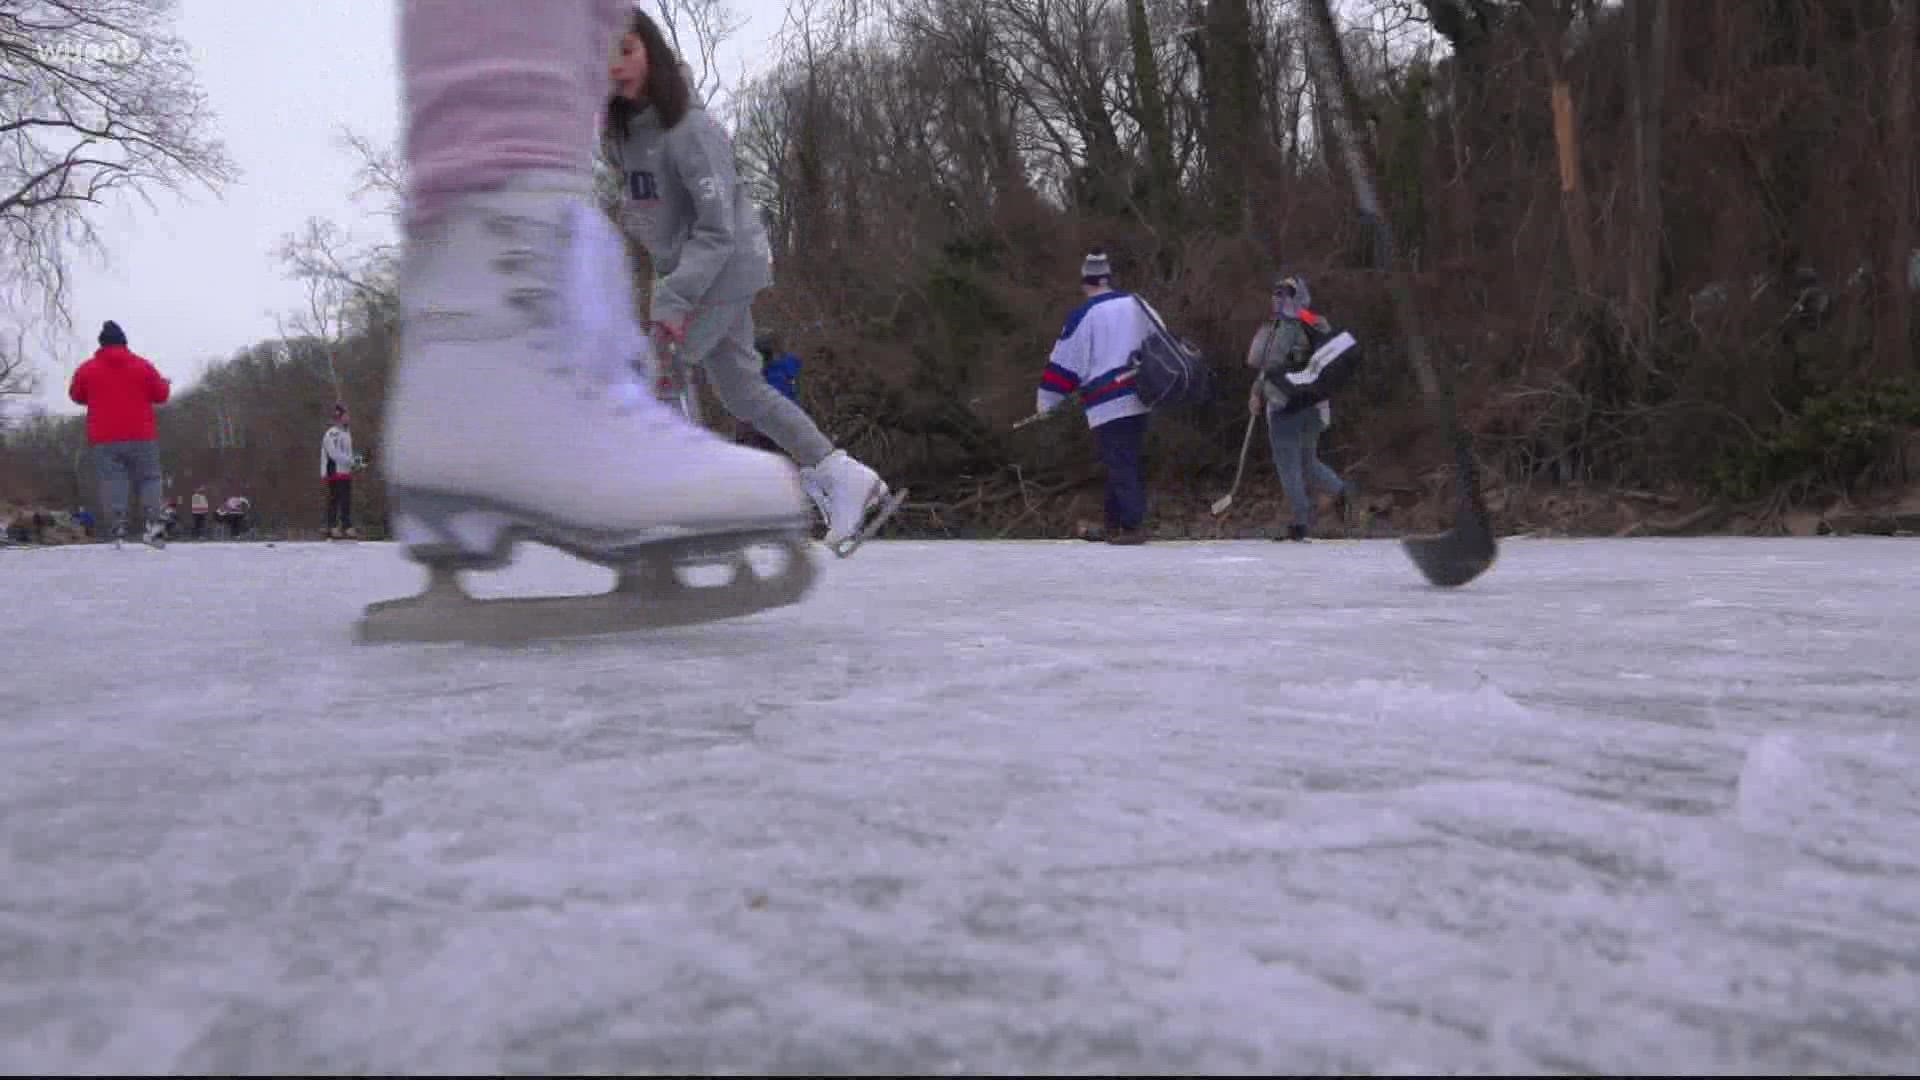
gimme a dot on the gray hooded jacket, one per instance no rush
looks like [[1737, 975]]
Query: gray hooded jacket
[[1298, 367], [685, 204]]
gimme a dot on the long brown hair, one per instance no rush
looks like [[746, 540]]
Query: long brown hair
[[666, 87]]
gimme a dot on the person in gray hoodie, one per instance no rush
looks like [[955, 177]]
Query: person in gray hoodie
[[684, 202], [1301, 362]]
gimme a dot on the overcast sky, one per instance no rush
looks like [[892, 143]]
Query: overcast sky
[[194, 279]]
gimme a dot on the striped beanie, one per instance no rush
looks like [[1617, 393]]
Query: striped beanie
[[1094, 269]]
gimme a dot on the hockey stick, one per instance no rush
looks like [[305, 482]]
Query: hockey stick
[[1220, 504], [1035, 418], [1465, 551], [1122, 376]]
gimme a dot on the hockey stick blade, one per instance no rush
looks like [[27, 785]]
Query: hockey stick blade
[[1465, 551], [1220, 504], [1457, 556]]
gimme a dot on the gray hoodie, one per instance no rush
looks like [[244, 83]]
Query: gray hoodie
[[1300, 367], [685, 204]]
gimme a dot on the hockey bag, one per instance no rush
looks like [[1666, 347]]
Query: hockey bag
[[1167, 370]]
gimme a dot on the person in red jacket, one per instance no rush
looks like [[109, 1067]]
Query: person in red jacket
[[120, 389]]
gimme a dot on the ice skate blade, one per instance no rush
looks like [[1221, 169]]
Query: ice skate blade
[[878, 521], [649, 596]]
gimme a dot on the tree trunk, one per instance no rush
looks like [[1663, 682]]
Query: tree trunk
[[1229, 86], [1646, 82], [1154, 124], [1573, 195], [810, 231], [1893, 337]]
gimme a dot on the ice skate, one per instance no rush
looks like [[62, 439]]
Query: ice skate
[[853, 499], [155, 534], [818, 494], [518, 325]]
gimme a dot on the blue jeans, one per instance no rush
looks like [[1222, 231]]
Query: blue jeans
[[1120, 443], [124, 465], [1295, 438]]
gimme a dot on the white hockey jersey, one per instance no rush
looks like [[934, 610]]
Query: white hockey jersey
[[1094, 356], [336, 453]]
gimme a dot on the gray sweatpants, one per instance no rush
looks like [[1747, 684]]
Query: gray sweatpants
[[1295, 439], [123, 464], [721, 341]]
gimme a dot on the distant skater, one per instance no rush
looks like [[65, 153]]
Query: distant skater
[[120, 389], [336, 471]]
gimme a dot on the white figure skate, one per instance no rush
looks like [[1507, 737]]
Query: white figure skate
[[522, 409], [853, 499], [818, 494]]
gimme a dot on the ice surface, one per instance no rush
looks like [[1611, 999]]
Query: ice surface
[[1619, 806]]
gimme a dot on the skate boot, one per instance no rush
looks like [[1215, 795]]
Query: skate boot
[[818, 494], [155, 534], [853, 499], [522, 409]]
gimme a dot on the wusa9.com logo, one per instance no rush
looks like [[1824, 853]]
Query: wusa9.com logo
[[71, 50]]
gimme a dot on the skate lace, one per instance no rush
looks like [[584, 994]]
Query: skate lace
[[635, 402], [577, 280]]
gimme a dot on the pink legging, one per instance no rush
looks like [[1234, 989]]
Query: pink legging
[[492, 88]]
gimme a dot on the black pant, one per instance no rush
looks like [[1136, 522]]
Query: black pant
[[340, 503], [199, 526], [1120, 443]]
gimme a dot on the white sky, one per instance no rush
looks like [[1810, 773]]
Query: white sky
[[193, 279]]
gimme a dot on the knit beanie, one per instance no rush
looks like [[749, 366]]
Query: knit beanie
[[1094, 269], [1290, 296], [111, 334]]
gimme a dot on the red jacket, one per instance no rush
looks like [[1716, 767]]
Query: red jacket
[[119, 389]]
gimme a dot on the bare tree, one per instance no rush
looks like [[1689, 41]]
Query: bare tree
[[1646, 89], [17, 377], [697, 29], [1552, 23], [1894, 340], [96, 97], [351, 284]]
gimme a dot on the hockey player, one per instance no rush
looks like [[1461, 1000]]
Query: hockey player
[[336, 471], [520, 404], [1300, 362], [120, 389], [685, 204], [1093, 358]]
